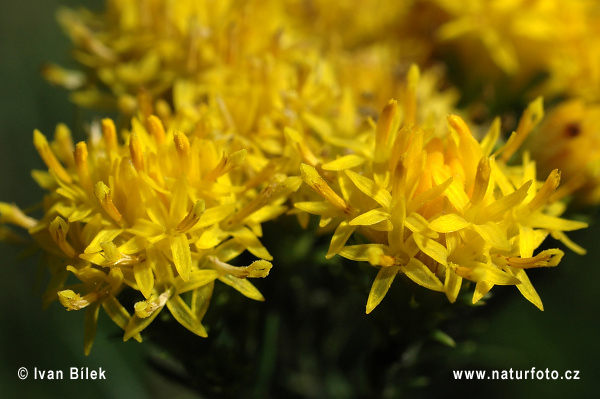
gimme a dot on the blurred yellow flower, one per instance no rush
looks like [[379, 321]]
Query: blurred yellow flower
[[522, 40], [568, 139]]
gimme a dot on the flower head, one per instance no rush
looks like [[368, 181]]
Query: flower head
[[441, 208], [162, 214]]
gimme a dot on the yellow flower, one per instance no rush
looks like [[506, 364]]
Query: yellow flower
[[441, 208], [162, 214], [568, 139], [521, 40]]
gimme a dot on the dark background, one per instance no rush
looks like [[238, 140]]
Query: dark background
[[515, 335]]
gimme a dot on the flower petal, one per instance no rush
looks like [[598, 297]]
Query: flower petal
[[183, 314], [182, 256], [380, 286]]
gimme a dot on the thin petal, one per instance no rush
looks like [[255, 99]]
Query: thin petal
[[371, 217], [345, 162], [481, 289], [182, 256], [201, 299], [380, 286], [420, 274], [198, 278], [448, 223], [118, 314], [358, 252], [183, 314], [90, 324], [526, 288], [432, 248], [251, 242], [548, 222], [339, 239], [102, 236], [452, 284], [144, 277], [370, 188], [492, 234], [242, 285], [479, 271], [136, 324]]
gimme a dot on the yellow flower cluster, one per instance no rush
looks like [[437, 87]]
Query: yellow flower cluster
[[441, 208], [232, 106], [163, 214]]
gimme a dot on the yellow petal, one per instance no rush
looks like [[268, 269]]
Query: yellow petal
[[358, 252], [340, 237], [452, 284], [371, 189], [134, 245], [229, 250], [498, 208], [198, 278], [118, 314], [479, 271], [182, 256], [144, 277], [526, 288], [215, 214], [312, 178], [316, 207], [526, 241], [420, 274], [201, 297], [183, 314], [371, 217], [546, 258], [434, 192], [251, 242], [455, 192], [418, 224], [146, 228], [90, 322], [491, 138], [481, 289], [345, 162], [380, 286], [432, 248], [43, 148], [492, 234], [448, 223], [562, 237], [137, 324], [242, 285], [532, 115], [543, 221], [211, 237]]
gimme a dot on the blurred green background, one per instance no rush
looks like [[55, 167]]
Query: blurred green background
[[507, 333]]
